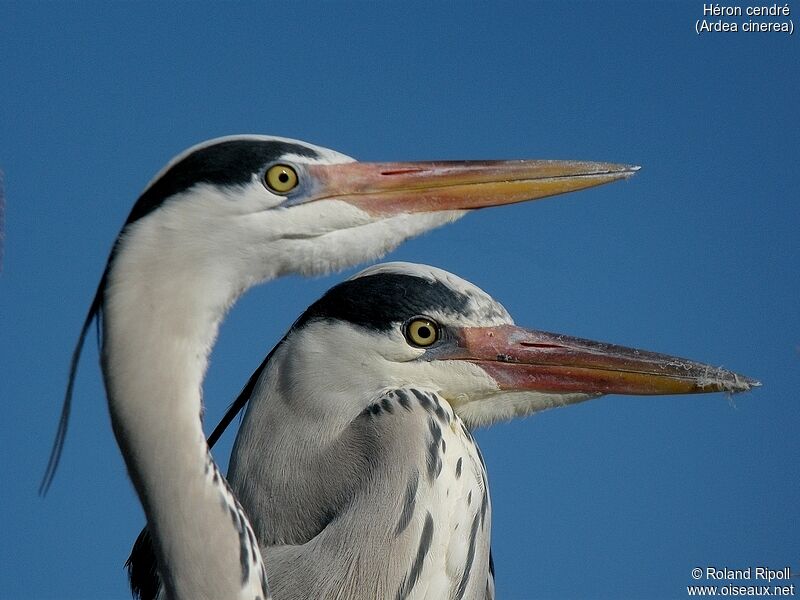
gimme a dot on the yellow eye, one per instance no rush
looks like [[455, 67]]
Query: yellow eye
[[421, 332], [281, 178]]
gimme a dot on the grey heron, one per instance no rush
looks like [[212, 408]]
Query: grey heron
[[219, 218], [355, 460]]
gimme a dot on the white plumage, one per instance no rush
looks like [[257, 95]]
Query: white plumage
[[210, 225]]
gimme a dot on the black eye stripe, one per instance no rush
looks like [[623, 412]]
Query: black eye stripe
[[231, 162], [382, 300]]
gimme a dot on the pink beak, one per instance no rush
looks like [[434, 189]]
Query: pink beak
[[524, 359]]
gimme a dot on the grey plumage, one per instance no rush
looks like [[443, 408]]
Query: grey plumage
[[379, 527], [221, 217], [355, 462]]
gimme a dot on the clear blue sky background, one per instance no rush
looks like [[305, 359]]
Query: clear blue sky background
[[698, 255]]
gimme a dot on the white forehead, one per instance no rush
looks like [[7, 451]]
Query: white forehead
[[324, 155], [481, 308]]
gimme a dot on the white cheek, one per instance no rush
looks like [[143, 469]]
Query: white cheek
[[329, 235], [314, 219], [394, 348]]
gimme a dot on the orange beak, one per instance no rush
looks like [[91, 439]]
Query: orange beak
[[385, 189]]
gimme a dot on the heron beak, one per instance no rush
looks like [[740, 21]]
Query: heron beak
[[523, 359], [386, 189]]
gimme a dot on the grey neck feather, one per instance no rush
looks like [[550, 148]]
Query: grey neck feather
[[155, 352]]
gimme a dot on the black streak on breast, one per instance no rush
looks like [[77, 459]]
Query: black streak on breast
[[424, 401], [462, 586], [433, 459], [424, 545], [409, 503]]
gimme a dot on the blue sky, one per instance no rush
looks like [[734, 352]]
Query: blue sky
[[697, 255]]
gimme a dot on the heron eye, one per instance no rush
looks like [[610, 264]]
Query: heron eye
[[421, 332], [281, 178]]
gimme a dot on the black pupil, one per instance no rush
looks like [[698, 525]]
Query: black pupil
[[424, 332], [283, 177]]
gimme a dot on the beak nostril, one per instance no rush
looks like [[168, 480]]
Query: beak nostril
[[401, 171], [535, 345]]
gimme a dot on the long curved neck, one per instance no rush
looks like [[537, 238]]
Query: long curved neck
[[158, 332]]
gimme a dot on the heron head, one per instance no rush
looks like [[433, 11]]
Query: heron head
[[256, 207], [403, 325]]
